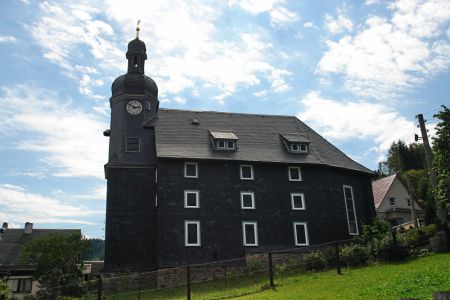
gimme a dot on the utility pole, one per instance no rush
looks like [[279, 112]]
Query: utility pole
[[441, 214]]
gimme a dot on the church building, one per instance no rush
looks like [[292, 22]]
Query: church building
[[187, 186]]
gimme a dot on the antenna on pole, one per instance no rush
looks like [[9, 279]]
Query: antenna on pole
[[138, 29]]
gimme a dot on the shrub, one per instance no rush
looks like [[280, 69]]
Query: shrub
[[355, 255], [416, 236], [316, 261], [280, 269]]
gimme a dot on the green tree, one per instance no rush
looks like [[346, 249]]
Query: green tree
[[441, 161], [402, 157], [95, 250], [59, 264]]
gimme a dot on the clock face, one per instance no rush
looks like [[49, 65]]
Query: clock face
[[134, 107]]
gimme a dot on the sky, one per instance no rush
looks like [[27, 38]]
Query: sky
[[357, 72]]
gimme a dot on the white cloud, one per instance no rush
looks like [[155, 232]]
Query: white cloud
[[7, 39], [262, 93], [309, 25], [339, 24], [256, 6], [22, 206], [356, 120], [87, 84], [184, 54], [388, 56], [370, 2], [70, 139], [280, 16]]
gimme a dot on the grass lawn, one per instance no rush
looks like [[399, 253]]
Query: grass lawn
[[417, 278]]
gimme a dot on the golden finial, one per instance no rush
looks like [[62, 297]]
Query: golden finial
[[138, 29]]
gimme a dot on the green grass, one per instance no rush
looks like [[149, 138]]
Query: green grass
[[417, 278]]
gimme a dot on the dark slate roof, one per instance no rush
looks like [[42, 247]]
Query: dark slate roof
[[259, 138], [13, 239], [295, 138]]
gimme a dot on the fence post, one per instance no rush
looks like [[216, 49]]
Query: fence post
[[139, 284], [188, 282], [394, 237], [338, 258], [225, 274], [271, 270], [99, 288]]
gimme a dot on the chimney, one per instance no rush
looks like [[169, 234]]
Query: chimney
[[28, 228], [5, 225], [3, 229]]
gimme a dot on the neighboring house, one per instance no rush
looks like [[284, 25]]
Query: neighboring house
[[393, 202], [187, 187], [18, 275]]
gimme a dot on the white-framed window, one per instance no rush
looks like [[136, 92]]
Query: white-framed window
[[298, 201], [392, 201], [191, 199], [352, 220], [247, 172], [250, 233], [299, 147], [301, 234], [295, 174], [247, 200], [133, 144], [225, 145], [190, 170], [20, 285], [192, 233]]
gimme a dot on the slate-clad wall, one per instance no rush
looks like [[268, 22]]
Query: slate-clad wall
[[130, 220], [221, 216]]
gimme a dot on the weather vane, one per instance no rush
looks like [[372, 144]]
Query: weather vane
[[138, 29]]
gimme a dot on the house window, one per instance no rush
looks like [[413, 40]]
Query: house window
[[133, 144], [20, 285], [299, 148], [247, 200], [350, 209], [295, 174], [392, 201], [301, 234], [225, 145], [191, 199], [190, 170], [250, 233], [192, 233], [409, 202], [247, 172], [298, 201]]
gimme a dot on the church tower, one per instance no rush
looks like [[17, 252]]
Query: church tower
[[130, 233]]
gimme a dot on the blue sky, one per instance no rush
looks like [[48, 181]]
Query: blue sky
[[357, 72]]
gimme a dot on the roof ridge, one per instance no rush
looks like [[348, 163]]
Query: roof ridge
[[226, 113]]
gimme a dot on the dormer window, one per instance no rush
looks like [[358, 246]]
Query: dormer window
[[223, 140], [295, 143], [299, 147]]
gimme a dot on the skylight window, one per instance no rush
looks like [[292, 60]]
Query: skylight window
[[223, 140]]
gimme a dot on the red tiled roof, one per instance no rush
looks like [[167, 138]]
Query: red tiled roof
[[380, 187]]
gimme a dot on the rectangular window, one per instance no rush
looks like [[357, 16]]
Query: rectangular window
[[298, 201], [303, 148], [221, 144], [294, 147], [247, 172], [191, 199], [192, 233], [230, 145], [190, 170], [301, 234], [133, 144], [247, 200], [392, 201], [409, 202], [295, 174], [20, 285], [351, 211], [225, 145], [250, 233]]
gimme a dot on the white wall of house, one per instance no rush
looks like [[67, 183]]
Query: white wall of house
[[401, 195]]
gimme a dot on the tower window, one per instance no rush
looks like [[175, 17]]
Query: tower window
[[192, 233], [250, 233], [298, 201], [191, 199], [135, 62], [133, 144], [247, 172], [247, 200], [301, 234], [294, 174]]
